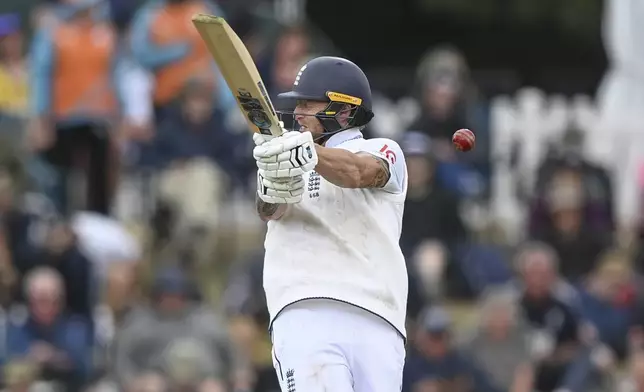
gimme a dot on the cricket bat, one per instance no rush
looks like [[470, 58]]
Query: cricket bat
[[239, 70]]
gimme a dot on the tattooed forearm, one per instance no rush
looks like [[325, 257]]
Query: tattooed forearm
[[352, 170], [381, 177], [268, 211]]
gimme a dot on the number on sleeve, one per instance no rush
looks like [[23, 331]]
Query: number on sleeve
[[390, 155]]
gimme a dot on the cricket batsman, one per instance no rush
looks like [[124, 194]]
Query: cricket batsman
[[334, 274]]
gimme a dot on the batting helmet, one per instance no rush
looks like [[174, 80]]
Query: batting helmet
[[339, 82]]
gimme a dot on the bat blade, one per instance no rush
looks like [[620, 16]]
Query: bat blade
[[238, 69]]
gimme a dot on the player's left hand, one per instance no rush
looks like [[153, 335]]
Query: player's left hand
[[289, 155], [280, 190]]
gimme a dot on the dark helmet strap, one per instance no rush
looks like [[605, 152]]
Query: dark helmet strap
[[328, 117]]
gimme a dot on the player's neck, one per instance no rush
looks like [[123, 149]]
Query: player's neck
[[343, 136]]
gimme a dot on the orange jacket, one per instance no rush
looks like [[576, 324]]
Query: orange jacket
[[170, 25], [82, 71]]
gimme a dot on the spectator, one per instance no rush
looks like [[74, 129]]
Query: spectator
[[61, 252], [13, 67], [279, 68], [39, 238], [501, 344], [431, 211], [245, 304], [577, 245], [434, 365], [176, 342], [22, 234], [443, 80], [172, 50], [432, 225], [197, 155], [58, 343], [75, 100], [292, 50], [609, 301], [568, 155], [549, 310]]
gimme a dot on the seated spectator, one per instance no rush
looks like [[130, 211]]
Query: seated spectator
[[443, 93], [435, 365], [564, 155], [62, 253], [245, 303], [432, 225], [552, 315], [609, 301], [58, 343], [119, 298], [539, 256], [431, 211], [35, 236], [197, 154], [177, 343], [443, 82], [279, 68], [577, 244], [501, 343]]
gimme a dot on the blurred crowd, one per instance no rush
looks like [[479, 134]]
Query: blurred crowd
[[130, 259]]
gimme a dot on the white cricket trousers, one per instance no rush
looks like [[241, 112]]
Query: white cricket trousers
[[323, 345]]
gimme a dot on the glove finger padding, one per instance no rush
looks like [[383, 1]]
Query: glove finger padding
[[285, 173], [281, 184], [289, 155], [260, 139], [281, 191]]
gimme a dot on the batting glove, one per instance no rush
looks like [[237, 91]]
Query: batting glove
[[286, 156], [280, 190], [260, 138]]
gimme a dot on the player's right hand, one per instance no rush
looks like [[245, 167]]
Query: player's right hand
[[280, 190], [260, 139]]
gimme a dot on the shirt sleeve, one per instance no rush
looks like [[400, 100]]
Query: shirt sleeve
[[390, 152]]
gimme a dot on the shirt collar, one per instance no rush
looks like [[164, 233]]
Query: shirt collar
[[343, 136]]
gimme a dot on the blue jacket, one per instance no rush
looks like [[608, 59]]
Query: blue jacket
[[611, 321], [68, 334]]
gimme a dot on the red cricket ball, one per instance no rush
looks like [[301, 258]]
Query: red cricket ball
[[464, 140]]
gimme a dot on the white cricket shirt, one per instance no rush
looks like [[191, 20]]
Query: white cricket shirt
[[343, 244]]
